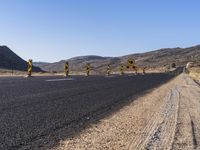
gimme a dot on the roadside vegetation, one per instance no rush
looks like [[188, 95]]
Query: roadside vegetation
[[194, 72]]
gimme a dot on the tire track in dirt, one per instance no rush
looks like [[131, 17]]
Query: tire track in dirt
[[166, 118], [188, 128], [119, 130], [161, 127]]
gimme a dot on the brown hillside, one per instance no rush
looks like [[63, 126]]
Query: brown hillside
[[158, 58]]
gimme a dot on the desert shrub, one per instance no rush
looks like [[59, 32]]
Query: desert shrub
[[173, 65]]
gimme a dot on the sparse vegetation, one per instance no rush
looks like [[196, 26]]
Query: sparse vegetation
[[158, 59], [194, 72], [173, 65]]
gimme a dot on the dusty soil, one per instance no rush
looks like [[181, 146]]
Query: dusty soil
[[195, 74], [166, 118]]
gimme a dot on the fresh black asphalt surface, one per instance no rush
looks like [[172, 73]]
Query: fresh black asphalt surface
[[31, 108]]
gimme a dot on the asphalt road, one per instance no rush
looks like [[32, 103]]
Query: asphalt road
[[31, 108]]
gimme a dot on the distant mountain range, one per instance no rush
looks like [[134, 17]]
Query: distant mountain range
[[152, 59], [9, 60]]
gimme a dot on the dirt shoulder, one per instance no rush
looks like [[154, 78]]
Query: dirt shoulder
[[167, 118], [195, 74]]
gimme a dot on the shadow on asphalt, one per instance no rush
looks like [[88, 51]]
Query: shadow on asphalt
[[49, 112], [77, 126]]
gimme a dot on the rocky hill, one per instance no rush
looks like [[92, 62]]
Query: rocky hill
[[9, 60], [152, 59], [163, 57]]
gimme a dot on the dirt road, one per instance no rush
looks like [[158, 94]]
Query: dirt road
[[166, 118]]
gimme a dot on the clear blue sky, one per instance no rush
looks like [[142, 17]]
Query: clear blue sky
[[51, 30]]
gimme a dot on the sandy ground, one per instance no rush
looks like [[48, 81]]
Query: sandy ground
[[195, 73], [166, 118]]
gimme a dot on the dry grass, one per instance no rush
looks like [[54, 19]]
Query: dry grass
[[195, 73], [5, 72]]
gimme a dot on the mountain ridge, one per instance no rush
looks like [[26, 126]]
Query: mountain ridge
[[11, 61], [151, 59], [156, 58]]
